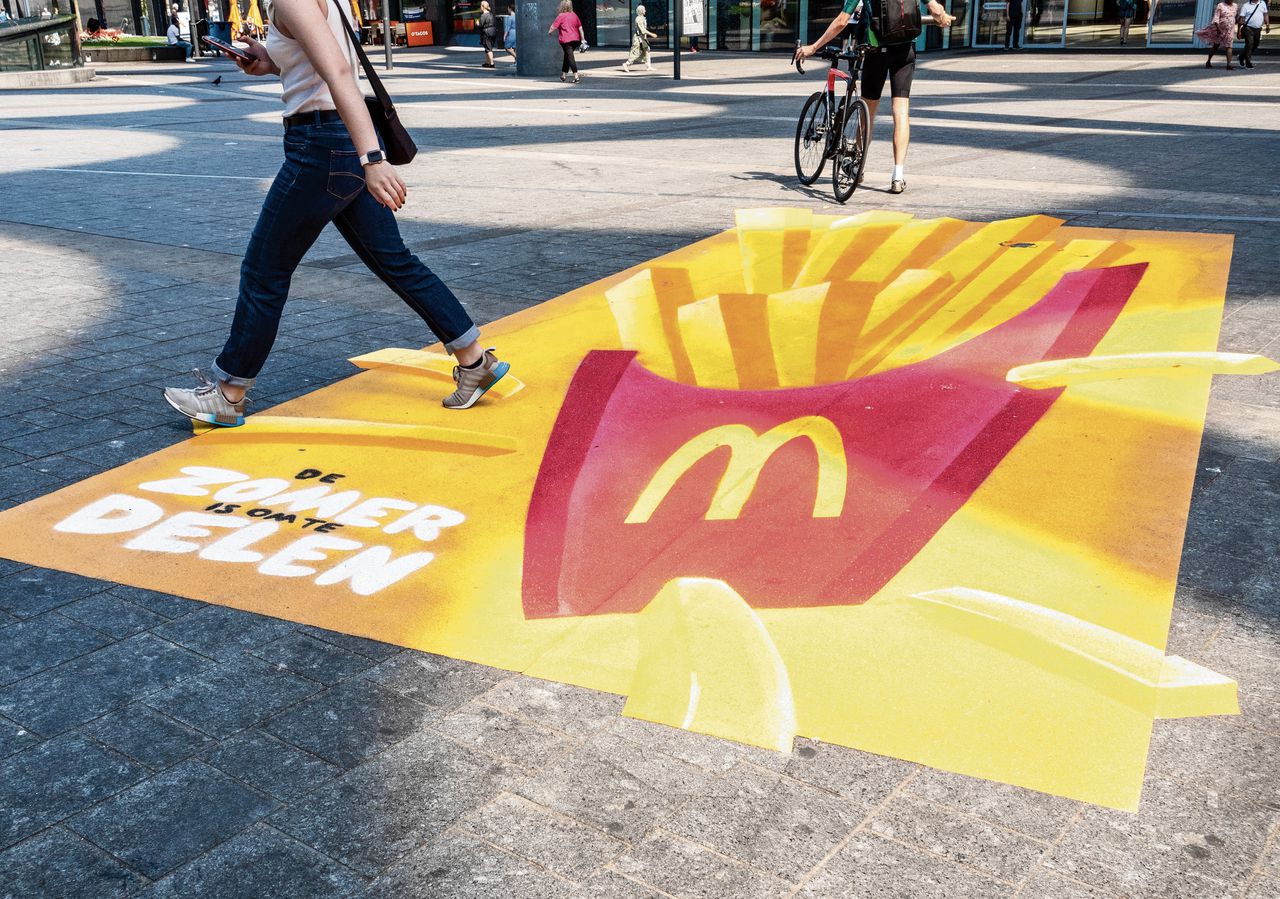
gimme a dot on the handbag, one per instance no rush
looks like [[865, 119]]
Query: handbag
[[400, 147]]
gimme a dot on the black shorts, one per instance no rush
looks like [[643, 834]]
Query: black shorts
[[486, 42], [897, 63]]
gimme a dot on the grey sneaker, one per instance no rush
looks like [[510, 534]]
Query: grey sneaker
[[205, 402], [897, 186], [473, 383]]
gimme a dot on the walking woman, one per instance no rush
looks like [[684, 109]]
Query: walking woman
[[1126, 9], [1221, 31], [488, 33], [334, 171], [640, 43], [568, 31], [509, 30]]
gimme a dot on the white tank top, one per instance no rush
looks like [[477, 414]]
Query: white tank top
[[304, 89]]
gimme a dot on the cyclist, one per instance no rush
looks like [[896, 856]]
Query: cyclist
[[897, 62]]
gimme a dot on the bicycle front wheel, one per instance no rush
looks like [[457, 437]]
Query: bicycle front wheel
[[811, 138], [851, 153]]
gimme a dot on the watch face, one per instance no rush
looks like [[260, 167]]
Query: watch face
[[374, 156]]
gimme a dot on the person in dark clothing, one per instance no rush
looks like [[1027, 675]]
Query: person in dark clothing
[[1013, 25], [488, 33]]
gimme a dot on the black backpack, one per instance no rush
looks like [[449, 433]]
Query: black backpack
[[894, 21]]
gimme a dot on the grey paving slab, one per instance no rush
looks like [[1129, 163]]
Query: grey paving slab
[[566, 847], [172, 818], [222, 633], [351, 722], [767, 820], [315, 659], [972, 842], [866, 778], [260, 862], [14, 738], [523, 743], [34, 590], [271, 765], [46, 783], [382, 810], [1183, 842], [145, 735], [116, 617], [561, 706], [1037, 815], [869, 867], [374, 649], [1046, 884], [710, 753], [689, 871], [226, 698], [87, 687], [461, 865], [616, 786], [162, 604], [612, 885], [436, 680], [60, 863], [42, 642]]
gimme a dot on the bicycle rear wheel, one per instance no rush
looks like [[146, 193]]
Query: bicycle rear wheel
[[851, 152], [812, 138]]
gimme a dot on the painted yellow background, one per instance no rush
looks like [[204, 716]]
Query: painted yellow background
[[1085, 516]]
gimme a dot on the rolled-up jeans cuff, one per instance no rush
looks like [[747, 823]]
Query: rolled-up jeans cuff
[[233, 380], [470, 336]]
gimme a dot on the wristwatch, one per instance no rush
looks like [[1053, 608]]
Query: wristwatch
[[372, 157]]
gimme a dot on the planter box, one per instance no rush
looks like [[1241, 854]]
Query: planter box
[[134, 54]]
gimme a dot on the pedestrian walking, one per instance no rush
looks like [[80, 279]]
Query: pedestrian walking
[[334, 171], [640, 43], [1254, 16], [1126, 9], [1221, 31], [1013, 25], [567, 28], [488, 33], [174, 38], [895, 62], [509, 30]]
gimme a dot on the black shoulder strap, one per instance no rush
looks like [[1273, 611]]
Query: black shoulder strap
[[378, 90]]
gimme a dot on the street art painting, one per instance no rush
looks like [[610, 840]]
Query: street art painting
[[917, 487]]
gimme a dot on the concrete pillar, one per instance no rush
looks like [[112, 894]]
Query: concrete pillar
[[537, 53]]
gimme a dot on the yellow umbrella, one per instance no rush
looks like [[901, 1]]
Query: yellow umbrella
[[234, 19], [355, 6], [254, 15]]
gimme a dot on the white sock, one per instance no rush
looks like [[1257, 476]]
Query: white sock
[[897, 173]]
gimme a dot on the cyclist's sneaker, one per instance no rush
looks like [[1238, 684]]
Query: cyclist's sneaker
[[473, 383], [897, 186], [205, 403]]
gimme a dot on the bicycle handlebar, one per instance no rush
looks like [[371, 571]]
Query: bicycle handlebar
[[834, 55]]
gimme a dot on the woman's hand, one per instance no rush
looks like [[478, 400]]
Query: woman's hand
[[261, 63], [805, 51], [384, 182]]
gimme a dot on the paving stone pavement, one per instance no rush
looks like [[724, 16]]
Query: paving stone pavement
[[152, 745]]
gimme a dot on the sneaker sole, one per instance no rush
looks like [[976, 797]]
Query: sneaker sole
[[207, 417], [500, 370]]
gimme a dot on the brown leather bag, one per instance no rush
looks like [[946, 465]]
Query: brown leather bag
[[399, 146]]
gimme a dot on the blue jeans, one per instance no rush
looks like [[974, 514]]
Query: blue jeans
[[186, 47], [322, 181]]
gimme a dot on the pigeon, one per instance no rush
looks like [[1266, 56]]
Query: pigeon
[[218, 80]]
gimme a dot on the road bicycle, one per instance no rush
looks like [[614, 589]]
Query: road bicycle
[[839, 130]]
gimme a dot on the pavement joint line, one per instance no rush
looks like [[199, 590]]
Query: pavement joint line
[[860, 827], [1057, 841], [455, 829], [648, 886]]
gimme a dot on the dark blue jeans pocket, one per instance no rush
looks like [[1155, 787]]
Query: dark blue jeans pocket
[[345, 177]]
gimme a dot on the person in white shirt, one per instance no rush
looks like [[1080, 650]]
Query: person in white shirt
[[1253, 18], [174, 36]]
